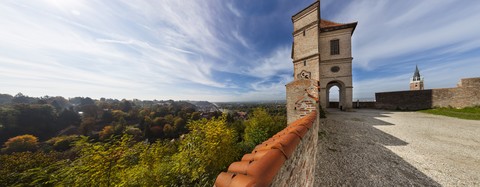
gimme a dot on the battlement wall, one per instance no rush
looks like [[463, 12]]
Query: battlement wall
[[467, 94]]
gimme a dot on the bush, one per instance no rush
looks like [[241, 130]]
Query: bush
[[136, 133], [106, 132], [62, 143], [21, 143]]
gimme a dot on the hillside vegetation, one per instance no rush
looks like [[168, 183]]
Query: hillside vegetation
[[52, 141]]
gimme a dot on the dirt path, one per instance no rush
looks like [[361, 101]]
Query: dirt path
[[384, 148]]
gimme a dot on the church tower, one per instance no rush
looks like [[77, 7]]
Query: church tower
[[417, 81], [322, 58]]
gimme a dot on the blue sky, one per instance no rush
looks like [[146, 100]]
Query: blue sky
[[223, 50]]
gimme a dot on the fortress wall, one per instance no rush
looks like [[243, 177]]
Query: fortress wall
[[460, 97], [299, 170], [286, 159], [360, 104], [404, 100], [467, 94]]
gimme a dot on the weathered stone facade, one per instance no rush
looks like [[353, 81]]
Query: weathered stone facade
[[466, 94], [299, 170], [322, 52], [301, 98]]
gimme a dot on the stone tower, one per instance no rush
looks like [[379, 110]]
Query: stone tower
[[321, 54], [417, 81]]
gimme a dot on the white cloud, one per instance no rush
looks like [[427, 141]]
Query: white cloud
[[234, 10], [278, 61]]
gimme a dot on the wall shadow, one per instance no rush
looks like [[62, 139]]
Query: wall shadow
[[352, 152]]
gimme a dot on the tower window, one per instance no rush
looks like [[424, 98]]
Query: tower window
[[304, 63], [335, 47], [303, 32]]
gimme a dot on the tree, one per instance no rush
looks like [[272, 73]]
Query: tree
[[87, 125], [100, 164], [260, 127], [179, 125], [21, 144], [168, 131], [205, 151], [68, 117], [106, 132]]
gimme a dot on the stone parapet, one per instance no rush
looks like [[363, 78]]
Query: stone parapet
[[467, 94], [273, 162]]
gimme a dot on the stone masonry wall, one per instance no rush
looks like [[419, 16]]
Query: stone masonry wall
[[466, 95], [355, 104], [404, 100], [299, 170], [299, 101]]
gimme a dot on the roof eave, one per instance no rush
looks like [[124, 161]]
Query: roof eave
[[344, 26]]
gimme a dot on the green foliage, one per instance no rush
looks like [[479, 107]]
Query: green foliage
[[206, 150], [100, 164], [62, 143], [472, 113], [118, 156], [21, 168], [154, 167], [261, 126]]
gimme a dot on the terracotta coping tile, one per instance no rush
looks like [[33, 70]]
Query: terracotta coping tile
[[289, 143], [267, 167], [224, 179], [248, 157], [260, 167], [300, 131], [243, 181], [239, 167]]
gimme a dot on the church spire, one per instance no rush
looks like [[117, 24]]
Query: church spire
[[416, 75], [417, 82]]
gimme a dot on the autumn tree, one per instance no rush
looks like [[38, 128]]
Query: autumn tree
[[21, 143], [261, 126], [205, 151]]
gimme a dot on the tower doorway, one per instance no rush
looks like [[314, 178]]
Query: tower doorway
[[336, 95]]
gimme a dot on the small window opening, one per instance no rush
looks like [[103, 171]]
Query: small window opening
[[334, 47], [303, 32], [304, 63]]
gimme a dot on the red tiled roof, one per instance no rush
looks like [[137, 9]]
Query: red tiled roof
[[326, 23], [261, 166]]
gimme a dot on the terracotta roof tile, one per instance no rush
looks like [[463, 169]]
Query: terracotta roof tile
[[261, 166], [326, 23], [243, 181], [224, 179], [267, 167], [239, 167]]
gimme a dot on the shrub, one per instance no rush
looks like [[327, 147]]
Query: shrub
[[106, 132], [21, 143], [62, 143]]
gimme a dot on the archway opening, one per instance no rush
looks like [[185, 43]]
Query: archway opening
[[335, 95]]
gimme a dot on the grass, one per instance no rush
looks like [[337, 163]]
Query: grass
[[472, 113]]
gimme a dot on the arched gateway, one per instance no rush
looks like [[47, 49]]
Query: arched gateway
[[321, 53]]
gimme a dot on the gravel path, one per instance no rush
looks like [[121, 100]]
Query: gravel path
[[384, 148]]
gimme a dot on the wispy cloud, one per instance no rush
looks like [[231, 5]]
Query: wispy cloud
[[218, 50], [393, 36]]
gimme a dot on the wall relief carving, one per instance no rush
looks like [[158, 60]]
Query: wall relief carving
[[304, 75]]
